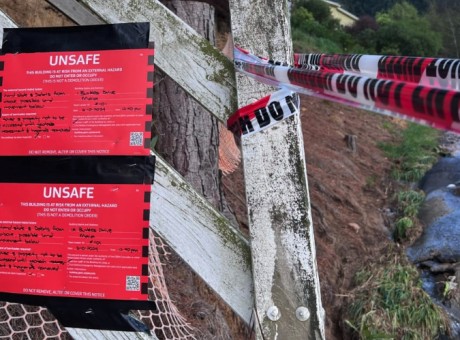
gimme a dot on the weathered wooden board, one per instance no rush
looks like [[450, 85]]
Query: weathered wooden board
[[190, 60], [282, 242], [203, 238], [96, 334], [77, 12], [5, 22]]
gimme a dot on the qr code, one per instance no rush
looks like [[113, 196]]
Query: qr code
[[136, 139], [133, 283]]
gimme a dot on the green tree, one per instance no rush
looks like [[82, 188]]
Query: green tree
[[403, 31], [301, 17], [443, 16], [315, 30], [365, 33], [320, 11]]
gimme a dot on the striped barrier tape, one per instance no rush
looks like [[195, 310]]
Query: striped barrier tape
[[434, 72], [432, 106], [264, 113]]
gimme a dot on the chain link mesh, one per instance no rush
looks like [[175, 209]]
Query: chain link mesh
[[18, 321], [166, 321]]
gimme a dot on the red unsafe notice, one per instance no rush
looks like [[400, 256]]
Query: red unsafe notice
[[76, 103], [67, 241]]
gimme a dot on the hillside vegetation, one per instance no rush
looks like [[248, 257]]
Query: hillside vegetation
[[385, 27]]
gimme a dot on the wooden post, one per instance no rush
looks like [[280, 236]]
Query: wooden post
[[283, 250], [76, 12]]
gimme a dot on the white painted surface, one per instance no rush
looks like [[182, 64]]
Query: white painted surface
[[282, 242], [203, 238], [5, 22], [97, 334], [198, 67]]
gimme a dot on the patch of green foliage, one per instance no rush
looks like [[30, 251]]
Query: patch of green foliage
[[414, 153], [402, 226], [304, 42], [397, 30], [389, 303], [408, 203], [403, 31], [443, 18], [315, 30]]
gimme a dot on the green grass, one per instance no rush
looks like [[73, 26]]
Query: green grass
[[389, 303], [414, 153], [408, 203], [402, 227]]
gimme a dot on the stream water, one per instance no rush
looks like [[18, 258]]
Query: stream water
[[437, 251]]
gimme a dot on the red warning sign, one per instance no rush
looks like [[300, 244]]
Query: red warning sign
[[66, 240], [76, 103]]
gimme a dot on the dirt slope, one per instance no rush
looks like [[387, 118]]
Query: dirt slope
[[345, 187]]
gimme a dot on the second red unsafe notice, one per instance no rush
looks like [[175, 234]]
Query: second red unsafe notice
[[85, 241], [76, 103]]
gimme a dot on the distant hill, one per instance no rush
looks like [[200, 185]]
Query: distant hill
[[441, 14]]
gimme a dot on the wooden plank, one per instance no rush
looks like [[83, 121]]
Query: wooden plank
[[203, 238], [190, 60], [77, 12], [282, 243], [5, 22], [97, 334]]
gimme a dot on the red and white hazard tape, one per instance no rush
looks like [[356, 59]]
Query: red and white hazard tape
[[389, 95], [432, 72], [264, 113]]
